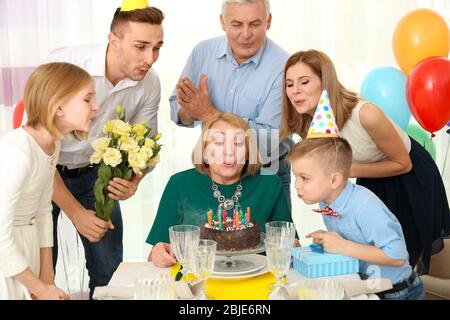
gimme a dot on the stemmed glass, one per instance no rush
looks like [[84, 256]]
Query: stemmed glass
[[280, 229], [203, 262], [184, 240], [278, 254]]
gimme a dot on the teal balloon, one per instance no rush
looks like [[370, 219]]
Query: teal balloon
[[385, 87], [423, 138]]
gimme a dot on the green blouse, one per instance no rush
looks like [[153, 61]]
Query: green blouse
[[188, 196]]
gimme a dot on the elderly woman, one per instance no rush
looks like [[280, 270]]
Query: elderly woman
[[226, 158]]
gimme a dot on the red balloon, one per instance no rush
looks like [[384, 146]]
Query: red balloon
[[18, 114], [428, 93]]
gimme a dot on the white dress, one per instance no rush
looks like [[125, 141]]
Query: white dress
[[26, 224]]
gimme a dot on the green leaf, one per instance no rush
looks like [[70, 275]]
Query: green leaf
[[104, 173], [108, 208], [98, 192], [148, 133], [99, 210], [117, 173], [128, 174]]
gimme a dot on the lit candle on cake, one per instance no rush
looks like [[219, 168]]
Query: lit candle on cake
[[210, 213], [220, 219], [224, 217], [248, 214], [238, 220]]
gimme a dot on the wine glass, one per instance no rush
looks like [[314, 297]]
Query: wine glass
[[280, 229], [203, 262], [278, 254], [184, 240]]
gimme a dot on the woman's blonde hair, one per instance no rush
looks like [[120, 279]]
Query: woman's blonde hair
[[49, 86], [252, 163], [342, 100]]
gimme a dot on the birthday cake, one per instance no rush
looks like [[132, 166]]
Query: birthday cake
[[231, 237]]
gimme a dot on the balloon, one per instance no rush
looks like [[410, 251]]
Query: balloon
[[419, 35], [423, 138], [428, 93], [18, 114], [386, 88]]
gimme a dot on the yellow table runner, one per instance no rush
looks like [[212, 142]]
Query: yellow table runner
[[255, 288]]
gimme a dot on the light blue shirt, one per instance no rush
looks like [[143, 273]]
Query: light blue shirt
[[363, 218], [252, 90]]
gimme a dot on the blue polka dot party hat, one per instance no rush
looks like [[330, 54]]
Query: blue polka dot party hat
[[130, 5], [323, 124]]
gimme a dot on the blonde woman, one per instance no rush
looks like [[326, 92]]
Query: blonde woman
[[225, 157], [59, 100]]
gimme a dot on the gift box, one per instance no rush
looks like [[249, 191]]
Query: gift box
[[312, 263]]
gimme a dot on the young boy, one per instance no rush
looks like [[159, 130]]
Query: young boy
[[359, 224]]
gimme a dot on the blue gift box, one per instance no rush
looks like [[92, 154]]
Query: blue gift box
[[312, 263]]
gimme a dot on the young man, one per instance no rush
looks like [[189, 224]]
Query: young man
[[122, 73]]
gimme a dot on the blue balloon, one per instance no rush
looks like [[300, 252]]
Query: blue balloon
[[385, 87]]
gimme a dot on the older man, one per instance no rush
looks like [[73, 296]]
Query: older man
[[241, 73]]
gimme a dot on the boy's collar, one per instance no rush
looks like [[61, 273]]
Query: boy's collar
[[341, 201]]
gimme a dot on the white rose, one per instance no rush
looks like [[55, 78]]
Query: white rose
[[149, 143], [128, 144], [147, 151], [153, 162], [137, 161], [97, 156], [101, 144], [112, 157], [121, 128]]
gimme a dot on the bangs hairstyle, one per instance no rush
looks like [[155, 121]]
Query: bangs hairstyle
[[149, 15], [49, 86], [332, 154], [252, 163], [342, 100]]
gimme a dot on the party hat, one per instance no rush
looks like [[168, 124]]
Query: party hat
[[130, 5], [323, 124]]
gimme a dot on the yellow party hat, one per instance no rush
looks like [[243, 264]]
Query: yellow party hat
[[130, 5], [323, 124]]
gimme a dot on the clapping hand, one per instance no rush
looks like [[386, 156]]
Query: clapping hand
[[195, 100]]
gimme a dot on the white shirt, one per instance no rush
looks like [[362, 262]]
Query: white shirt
[[140, 99], [26, 222], [364, 148]]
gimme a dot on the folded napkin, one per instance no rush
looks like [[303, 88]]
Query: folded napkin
[[359, 287], [113, 293], [189, 290], [353, 289]]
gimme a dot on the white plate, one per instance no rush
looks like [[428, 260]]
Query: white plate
[[243, 265], [242, 276]]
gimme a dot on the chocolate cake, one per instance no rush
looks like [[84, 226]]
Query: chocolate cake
[[230, 238]]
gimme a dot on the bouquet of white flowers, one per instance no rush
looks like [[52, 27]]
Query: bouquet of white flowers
[[124, 152]]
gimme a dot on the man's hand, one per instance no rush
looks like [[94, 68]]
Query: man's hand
[[195, 101], [121, 189], [332, 242], [162, 255], [90, 226]]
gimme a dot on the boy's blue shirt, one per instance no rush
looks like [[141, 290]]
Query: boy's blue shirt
[[364, 218]]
